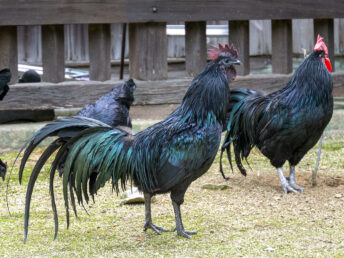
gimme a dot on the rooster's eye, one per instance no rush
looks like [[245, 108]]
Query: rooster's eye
[[226, 61]]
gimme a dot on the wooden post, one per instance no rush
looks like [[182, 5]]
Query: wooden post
[[9, 50], [195, 47], [325, 28], [148, 51], [99, 38], [282, 46], [53, 56], [124, 36], [239, 36]]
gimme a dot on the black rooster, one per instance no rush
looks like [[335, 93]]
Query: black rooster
[[3, 169], [5, 78], [287, 123], [166, 157], [113, 108]]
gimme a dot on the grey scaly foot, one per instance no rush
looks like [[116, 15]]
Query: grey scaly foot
[[149, 223], [155, 228], [291, 180], [185, 233], [284, 183], [295, 187], [287, 188], [179, 224]]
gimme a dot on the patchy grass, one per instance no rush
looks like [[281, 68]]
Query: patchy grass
[[244, 220]]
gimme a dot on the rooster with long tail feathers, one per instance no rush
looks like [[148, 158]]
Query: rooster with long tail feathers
[[164, 158]]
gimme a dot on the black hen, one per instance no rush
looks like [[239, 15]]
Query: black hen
[[113, 108], [287, 123], [166, 157], [5, 78], [30, 76]]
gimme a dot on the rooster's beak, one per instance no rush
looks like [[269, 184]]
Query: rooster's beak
[[237, 62]]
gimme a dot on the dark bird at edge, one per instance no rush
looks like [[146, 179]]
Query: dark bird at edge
[[3, 169], [5, 78]]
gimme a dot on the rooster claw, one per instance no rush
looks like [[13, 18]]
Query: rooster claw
[[296, 188], [288, 183], [293, 185], [287, 189], [290, 187], [154, 227], [185, 233]]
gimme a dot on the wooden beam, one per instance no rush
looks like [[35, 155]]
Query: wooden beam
[[195, 47], [27, 115], [239, 36], [99, 38], [148, 51], [53, 56], [9, 50], [18, 12], [282, 46], [325, 28], [79, 93]]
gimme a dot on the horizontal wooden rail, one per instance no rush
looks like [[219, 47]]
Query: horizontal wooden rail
[[67, 94], [18, 12]]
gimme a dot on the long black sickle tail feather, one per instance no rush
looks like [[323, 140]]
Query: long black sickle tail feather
[[61, 154], [95, 155], [52, 196], [236, 104], [63, 128], [40, 163], [53, 168], [68, 127], [221, 168], [225, 147], [44, 157]]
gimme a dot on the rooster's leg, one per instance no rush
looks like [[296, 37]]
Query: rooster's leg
[[179, 224], [149, 223], [284, 183], [291, 179]]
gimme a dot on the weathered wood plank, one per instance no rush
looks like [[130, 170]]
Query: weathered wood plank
[[53, 58], [9, 50], [27, 115], [18, 12], [282, 46], [99, 38], [148, 51], [78, 94], [325, 28], [239, 36], [195, 47]]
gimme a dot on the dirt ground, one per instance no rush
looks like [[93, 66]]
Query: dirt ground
[[251, 218]]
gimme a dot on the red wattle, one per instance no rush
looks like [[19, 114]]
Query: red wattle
[[328, 64]]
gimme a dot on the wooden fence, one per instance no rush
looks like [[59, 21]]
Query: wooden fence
[[76, 40], [148, 40]]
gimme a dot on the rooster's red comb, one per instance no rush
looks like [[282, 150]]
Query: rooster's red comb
[[320, 45], [226, 50]]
